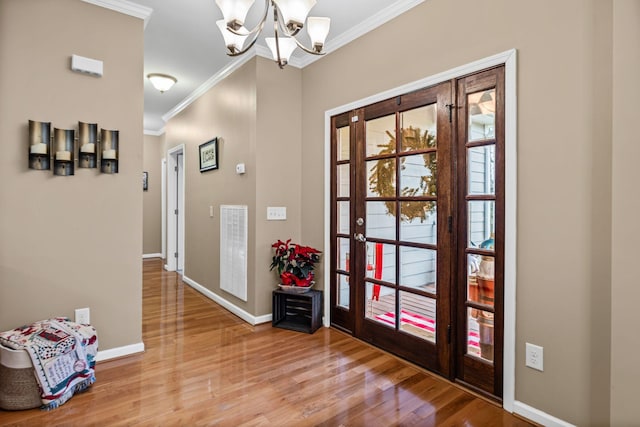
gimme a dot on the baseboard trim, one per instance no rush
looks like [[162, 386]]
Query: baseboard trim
[[145, 256], [113, 353], [229, 306], [538, 416]]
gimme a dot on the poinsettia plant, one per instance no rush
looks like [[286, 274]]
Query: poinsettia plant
[[294, 263]]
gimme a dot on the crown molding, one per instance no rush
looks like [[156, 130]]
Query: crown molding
[[126, 7], [370, 24], [152, 132], [380, 18], [211, 82]]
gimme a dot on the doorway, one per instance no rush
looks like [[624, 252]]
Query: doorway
[[175, 209], [417, 224]]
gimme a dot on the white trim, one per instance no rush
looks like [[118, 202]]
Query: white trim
[[146, 256], [210, 83], [538, 416], [247, 317], [373, 22], [126, 350], [510, 230], [163, 206], [508, 58], [382, 17], [158, 132], [172, 244], [127, 7]]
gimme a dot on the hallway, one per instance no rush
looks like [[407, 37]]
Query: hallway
[[204, 366]]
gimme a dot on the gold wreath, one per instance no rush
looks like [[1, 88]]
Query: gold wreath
[[383, 174]]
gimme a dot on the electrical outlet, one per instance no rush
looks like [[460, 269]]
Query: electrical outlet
[[535, 356], [83, 316]]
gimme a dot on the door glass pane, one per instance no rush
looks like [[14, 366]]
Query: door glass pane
[[418, 315], [343, 143], [381, 221], [418, 175], [418, 268], [473, 266], [482, 224], [381, 135], [342, 217], [343, 254], [481, 282], [486, 280], [342, 282], [480, 337], [342, 175], [482, 118], [418, 128], [381, 178], [481, 172], [381, 262], [380, 304], [473, 333], [419, 222]]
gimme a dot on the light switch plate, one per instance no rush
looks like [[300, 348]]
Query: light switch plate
[[276, 213]]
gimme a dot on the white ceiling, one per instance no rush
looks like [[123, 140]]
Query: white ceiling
[[181, 39]]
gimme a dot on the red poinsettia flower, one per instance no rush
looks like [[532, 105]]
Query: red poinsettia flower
[[294, 263]]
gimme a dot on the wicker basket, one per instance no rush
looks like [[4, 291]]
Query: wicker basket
[[18, 385]]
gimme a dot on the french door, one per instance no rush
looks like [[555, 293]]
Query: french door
[[406, 227]]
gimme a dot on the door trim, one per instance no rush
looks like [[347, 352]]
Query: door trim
[[508, 58], [172, 244]]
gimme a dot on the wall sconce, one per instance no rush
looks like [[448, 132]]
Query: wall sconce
[[87, 145], [39, 143], [63, 149], [109, 145]]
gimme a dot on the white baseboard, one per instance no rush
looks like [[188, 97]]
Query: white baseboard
[[247, 317], [145, 256], [538, 416], [126, 350]]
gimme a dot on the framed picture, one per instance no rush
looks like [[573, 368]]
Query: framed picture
[[209, 155], [145, 181]]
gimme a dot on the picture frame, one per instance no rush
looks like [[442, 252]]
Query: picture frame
[[209, 155], [145, 181]]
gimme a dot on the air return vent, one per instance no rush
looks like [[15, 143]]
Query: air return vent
[[233, 250]]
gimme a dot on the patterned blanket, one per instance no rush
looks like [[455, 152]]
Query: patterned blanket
[[63, 355]]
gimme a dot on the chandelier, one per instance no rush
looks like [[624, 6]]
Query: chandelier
[[288, 19]]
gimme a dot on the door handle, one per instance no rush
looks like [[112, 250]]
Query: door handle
[[359, 237]]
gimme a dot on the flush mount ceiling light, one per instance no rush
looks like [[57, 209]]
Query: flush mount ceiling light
[[162, 82], [288, 19]]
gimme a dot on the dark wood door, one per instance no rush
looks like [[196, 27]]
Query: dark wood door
[[480, 230], [392, 237], [418, 227]]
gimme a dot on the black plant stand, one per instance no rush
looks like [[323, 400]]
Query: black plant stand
[[298, 312]]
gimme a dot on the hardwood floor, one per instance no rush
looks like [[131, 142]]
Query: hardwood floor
[[204, 366]]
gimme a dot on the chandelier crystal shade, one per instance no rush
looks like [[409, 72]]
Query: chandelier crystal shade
[[289, 17]]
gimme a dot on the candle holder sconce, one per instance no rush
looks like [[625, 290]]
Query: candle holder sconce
[[87, 145], [63, 149], [39, 145], [109, 147]]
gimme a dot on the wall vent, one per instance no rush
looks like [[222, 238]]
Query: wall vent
[[233, 250]]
